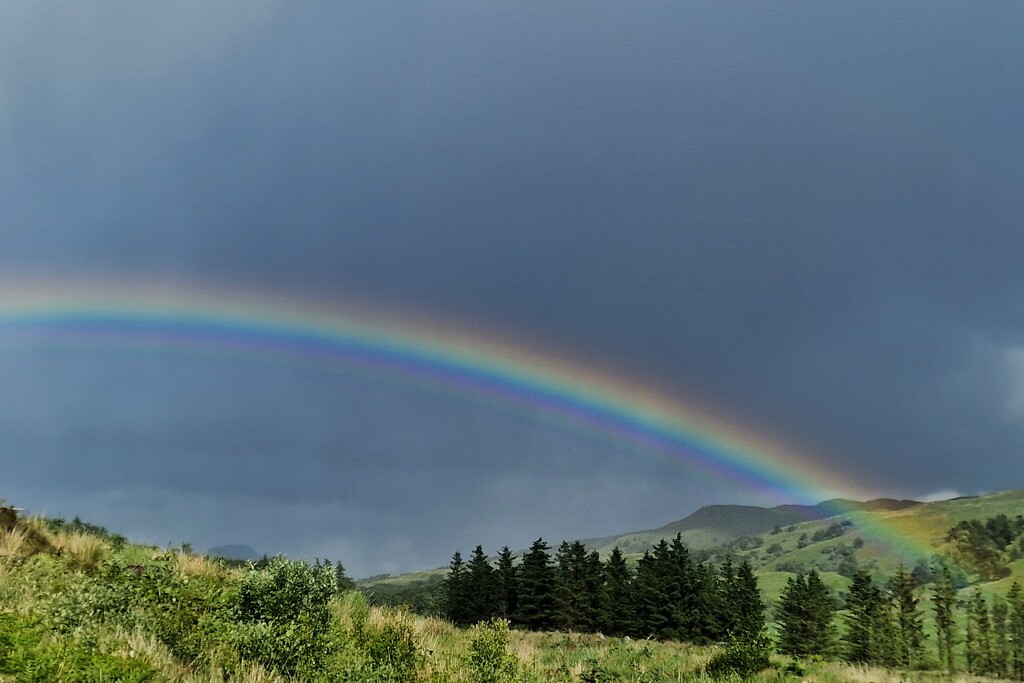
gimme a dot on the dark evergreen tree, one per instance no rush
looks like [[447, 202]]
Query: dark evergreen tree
[[507, 584], [749, 605], [1000, 645], [341, 581], [885, 638], [536, 608], [576, 607], [979, 653], [594, 587], [481, 588], [650, 608], [615, 605], [805, 616], [1016, 629], [944, 602], [910, 621], [456, 596], [862, 605]]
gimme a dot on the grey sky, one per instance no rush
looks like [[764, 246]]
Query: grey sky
[[805, 214]]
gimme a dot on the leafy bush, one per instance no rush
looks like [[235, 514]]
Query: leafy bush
[[742, 658], [489, 657], [283, 616]]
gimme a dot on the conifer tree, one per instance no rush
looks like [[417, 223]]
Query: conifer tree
[[455, 591], [342, 582], [536, 608], [576, 608], [805, 616], [649, 603], [615, 605], [748, 604], [910, 621], [944, 602], [885, 643], [1000, 646], [979, 655], [481, 588], [862, 605], [1016, 629], [507, 584]]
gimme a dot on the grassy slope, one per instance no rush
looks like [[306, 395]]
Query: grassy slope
[[49, 579], [884, 533]]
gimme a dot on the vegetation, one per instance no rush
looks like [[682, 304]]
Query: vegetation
[[80, 604]]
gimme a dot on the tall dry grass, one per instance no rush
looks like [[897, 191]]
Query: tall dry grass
[[82, 551]]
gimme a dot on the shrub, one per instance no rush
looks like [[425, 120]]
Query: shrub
[[489, 657], [742, 658], [284, 616]]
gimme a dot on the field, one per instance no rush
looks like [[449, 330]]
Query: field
[[78, 604]]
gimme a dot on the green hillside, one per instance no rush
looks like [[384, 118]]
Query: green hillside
[[879, 535]]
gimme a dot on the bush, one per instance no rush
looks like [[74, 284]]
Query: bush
[[284, 616], [742, 658], [489, 658]]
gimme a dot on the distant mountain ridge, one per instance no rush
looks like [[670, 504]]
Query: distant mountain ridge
[[713, 525]]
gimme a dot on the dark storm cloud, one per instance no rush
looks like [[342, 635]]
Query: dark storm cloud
[[808, 215]]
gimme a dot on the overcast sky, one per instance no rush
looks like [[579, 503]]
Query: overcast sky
[[805, 214]]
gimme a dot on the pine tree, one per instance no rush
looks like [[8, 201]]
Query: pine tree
[[341, 581], [944, 602], [481, 588], [1016, 628], [885, 643], [748, 604], [1000, 646], [979, 654], [805, 616], [910, 621], [507, 584], [455, 591], [576, 590], [862, 605], [648, 602], [536, 608], [615, 604]]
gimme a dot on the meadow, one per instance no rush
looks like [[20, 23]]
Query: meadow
[[78, 604]]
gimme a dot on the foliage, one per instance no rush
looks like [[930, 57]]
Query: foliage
[[742, 658], [489, 659], [30, 654]]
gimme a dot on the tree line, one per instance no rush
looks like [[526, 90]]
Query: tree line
[[884, 624], [667, 596]]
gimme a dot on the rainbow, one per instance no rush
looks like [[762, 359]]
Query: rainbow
[[445, 355]]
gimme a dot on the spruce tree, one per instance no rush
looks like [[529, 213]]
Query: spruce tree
[[979, 653], [342, 582], [615, 605], [456, 597], [1000, 645], [885, 639], [1016, 629], [862, 605], [944, 602], [648, 602], [910, 621], [536, 608], [748, 604], [576, 590], [507, 584], [481, 588], [805, 616]]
